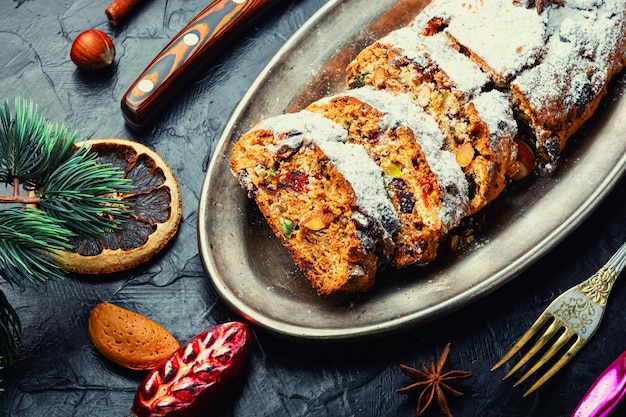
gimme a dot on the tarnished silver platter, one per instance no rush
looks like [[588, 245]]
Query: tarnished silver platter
[[256, 277]]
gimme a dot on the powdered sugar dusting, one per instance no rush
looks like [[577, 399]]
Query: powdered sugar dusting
[[580, 58], [400, 109], [441, 9], [363, 174], [437, 51], [300, 126], [494, 108], [464, 72], [366, 178], [506, 36], [405, 39]]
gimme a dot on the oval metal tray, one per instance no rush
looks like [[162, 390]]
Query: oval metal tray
[[256, 277]]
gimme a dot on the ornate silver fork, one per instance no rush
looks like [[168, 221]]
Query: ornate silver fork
[[570, 321]]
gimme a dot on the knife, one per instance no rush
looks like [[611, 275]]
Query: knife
[[606, 391], [184, 55]]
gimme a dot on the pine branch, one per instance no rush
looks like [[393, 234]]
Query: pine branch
[[29, 145], [27, 238], [81, 193], [10, 331], [75, 195], [59, 146]]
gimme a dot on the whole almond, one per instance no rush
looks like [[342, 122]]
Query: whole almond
[[128, 338]]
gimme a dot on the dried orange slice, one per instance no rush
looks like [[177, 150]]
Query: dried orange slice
[[156, 212]]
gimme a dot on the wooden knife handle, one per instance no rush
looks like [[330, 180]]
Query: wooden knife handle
[[183, 56]]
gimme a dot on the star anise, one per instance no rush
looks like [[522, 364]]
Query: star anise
[[432, 382], [540, 4]]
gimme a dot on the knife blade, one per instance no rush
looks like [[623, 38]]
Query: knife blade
[[606, 391], [184, 55]]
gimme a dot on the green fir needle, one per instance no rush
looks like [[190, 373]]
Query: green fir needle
[[73, 193]]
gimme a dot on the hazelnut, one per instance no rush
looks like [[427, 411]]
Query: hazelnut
[[92, 49]]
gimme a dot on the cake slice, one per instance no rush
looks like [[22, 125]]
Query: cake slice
[[586, 48], [557, 63], [492, 132], [324, 198], [425, 184], [502, 37], [476, 120], [405, 60]]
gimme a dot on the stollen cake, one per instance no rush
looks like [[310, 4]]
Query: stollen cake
[[584, 52], [557, 64], [428, 131], [322, 196], [445, 83], [428, 189]]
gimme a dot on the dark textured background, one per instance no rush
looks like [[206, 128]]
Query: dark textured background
[[59, 373]]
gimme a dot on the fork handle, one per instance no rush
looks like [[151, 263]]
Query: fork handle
[[618, 260], [606, 392]]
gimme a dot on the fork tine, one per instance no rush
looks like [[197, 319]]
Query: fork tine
[[569, 354], [541, 320], [558, 345], [547, 335], [594, 290]]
